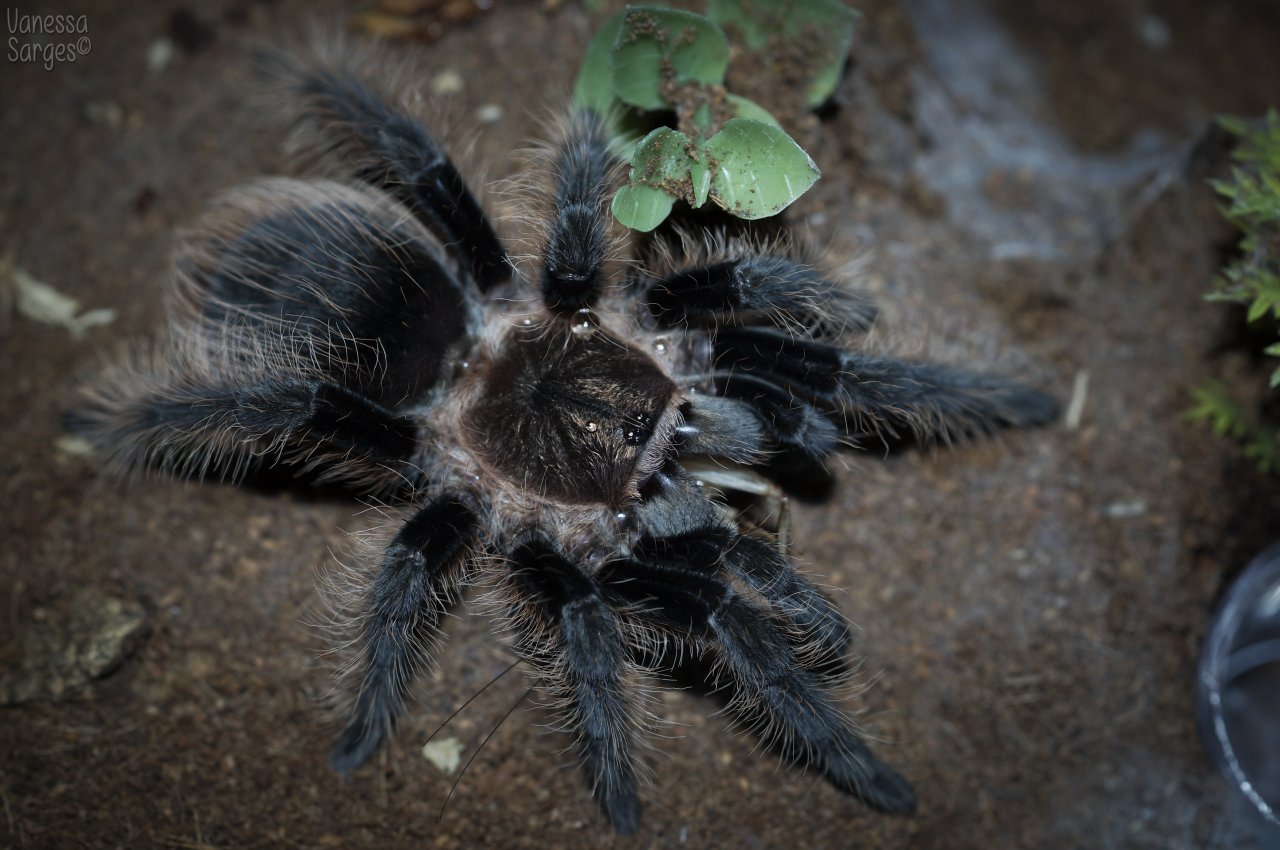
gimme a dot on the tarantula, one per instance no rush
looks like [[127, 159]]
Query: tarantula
[[370, 328]]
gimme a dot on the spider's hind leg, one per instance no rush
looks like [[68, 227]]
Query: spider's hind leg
[[223, 427]]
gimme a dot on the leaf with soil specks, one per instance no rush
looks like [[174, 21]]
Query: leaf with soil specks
[[594, 87], [656, 46], [759, 169], [642, 208], [813, 35], [660, 173]]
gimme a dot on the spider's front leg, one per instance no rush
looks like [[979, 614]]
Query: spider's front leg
[[781, 661], [868, 395], [751, 286], [679, 525]]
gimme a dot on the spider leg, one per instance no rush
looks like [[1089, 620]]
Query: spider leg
[[822, 634], [573, 638], [310, 318], [881, 395], [577, 239], [755, 286], [786, 701], [791, 422], [682, 527], [419, 576], [224, 429], [337, 116]]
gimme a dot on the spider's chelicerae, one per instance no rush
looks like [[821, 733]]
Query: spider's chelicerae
[[541, 426]]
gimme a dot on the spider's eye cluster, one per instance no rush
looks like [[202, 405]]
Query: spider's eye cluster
[[571, 416]]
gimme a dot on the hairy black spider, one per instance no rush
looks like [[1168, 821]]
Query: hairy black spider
[[370, 329]]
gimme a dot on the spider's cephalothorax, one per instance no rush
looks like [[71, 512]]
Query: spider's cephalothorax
[[368, 328]]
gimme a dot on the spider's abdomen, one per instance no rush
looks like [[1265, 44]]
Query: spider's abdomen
[[343, 267], [571, 416]]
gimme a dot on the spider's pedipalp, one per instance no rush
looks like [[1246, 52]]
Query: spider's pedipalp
[[581, 653], [791, 422], [337, 116], [721, 427], [578, 233], [418, 579]]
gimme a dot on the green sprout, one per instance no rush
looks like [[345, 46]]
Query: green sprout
[[650, 60], [1253, 277]]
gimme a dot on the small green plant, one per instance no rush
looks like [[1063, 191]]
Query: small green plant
[[1253, 277], [1215, 407], [651, 60]]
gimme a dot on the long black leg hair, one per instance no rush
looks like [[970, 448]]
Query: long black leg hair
[[573, 639], [417, 581]]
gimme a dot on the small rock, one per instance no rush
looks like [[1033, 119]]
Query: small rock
[[444, 753], [159, 55], [447, 82], [1125, 510], [69, 649]]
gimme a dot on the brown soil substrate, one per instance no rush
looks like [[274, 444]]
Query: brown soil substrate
[[1030, 607]]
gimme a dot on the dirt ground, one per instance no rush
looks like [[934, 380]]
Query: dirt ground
[[1030, 607]]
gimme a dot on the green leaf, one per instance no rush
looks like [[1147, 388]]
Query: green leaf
[[656, 45], [660, 173], [642, 207], [744, 17], [758, 169], [815, 36], [594, 87], [662, 159], [1216, 408], [744, 108], [700, 175]]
